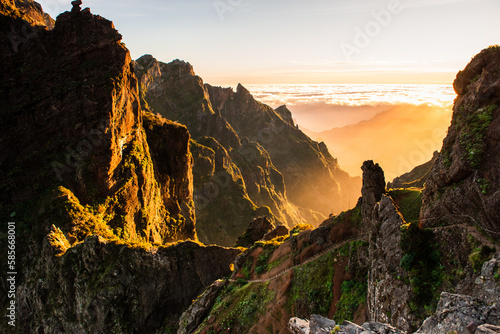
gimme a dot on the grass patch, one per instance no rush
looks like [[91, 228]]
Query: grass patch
[[301, 227], [353, 295], [313, 286], [239, 307], [409, 202]]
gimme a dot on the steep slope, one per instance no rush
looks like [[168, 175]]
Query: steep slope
[[364, 265], [95, 187], [399, 139], [70, 106], [312, 176], [236, 175], [416, 177], [28, 10], [464, 184]]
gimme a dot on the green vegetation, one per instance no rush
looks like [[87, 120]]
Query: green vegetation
[[58, 240], [474, 80], [353, 295], [239, 307], [301, 227], [479, 256], [474, 133], [409, 202], [422, 262], [273, 242], [313, 286], [351, 217], [484, 185], [262, 262]]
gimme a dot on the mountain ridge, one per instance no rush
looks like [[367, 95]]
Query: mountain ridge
[[247, 130]]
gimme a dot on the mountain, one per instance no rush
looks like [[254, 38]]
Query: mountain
[[250, 160], [98, 196], [374, 267], [99, 192], [29, 11], [399, 139], [419, 260], [463, 185]]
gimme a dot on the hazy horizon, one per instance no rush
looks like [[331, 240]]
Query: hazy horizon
[[397, 126], [319, 41]]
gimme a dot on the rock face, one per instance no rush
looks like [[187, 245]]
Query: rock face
[[97, 186], [193, 317], [463, 186], [28, 10], [235, 180], [239, 171], [372, 190], [462, 314], [388, 296], [320, 325], [73, 109], [100, 287], [416, 178], [279, 231], [256, 231]]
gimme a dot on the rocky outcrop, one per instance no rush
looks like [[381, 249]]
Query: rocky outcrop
[[29, 11], [416, 178], [372, 190], [298, 326], [462, 314], [193, 317], [487, 284], [73, 110], [388, 296], [100, 187], [463, 186], [319, 325], [279, 231], [173, 167], [101, 287], [256, 231]]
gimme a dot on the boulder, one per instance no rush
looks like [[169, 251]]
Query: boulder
[[455, 313], [298, 326], [256, 231], [319, 324], [279, 231]]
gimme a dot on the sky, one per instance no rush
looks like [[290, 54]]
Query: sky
[[305, 41]]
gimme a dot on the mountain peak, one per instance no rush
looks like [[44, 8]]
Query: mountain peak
[[242, 90]]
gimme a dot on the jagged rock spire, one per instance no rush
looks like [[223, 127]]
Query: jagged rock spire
[[76, 6]]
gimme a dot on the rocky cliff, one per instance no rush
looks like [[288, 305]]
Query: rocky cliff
[[371, 264], [247, 154], [97, 187], [312, 176], [463, 186], [234, 179], [28, 10], [70, 106]]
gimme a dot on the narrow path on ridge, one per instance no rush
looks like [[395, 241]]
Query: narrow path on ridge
[[311, 259]]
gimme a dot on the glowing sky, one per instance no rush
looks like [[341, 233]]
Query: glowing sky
[[305, 41]]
